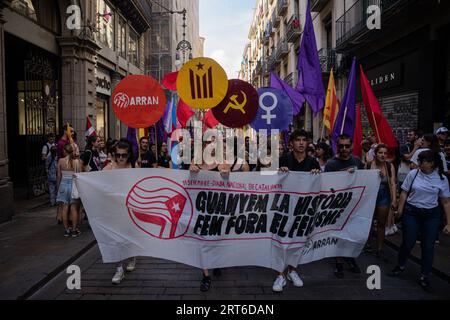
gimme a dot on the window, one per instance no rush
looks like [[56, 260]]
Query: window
[[122, 39], [133, 48], [105, 24]]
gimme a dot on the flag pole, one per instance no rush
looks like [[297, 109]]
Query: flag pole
[[323, 129], [376, 128], [343, 120]]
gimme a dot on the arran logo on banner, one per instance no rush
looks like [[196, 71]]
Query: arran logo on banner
[[156, 206], [123, 101], [139, 101]]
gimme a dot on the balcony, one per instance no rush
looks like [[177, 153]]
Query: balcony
[[329, 60], [265, 68], [294, 29], [292, 79], [352, 25], [318, 5], [282, 49], [275, 19], [271, 61], [258, 66], [282, 6]]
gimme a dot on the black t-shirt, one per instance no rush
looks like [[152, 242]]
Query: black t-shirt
[[337, 164], [164, 161], [91, 158], [147, 160], [406, 149], [307, 165]]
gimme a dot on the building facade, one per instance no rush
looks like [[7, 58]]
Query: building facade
[[167, 34], [52, 73], [406, 61]]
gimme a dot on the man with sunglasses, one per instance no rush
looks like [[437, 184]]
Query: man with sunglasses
[[344, 161]]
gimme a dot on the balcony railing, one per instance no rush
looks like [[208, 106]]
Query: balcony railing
[[294, 29], [353, 21], [275, 18], [318, 5], [282, 49], [265, 68], [328, 60], [271, 61], [292, 79], [282, 6]]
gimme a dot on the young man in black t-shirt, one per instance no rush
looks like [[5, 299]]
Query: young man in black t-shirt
[[344, 161], [146, 159], [297, 160]]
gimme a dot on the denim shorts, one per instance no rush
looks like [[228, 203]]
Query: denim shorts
[[384, 196], [65, 192]]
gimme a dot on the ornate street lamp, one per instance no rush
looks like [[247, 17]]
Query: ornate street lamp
[[184, 47]]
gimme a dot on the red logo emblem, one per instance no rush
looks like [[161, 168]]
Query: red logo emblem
[[156, 206], [139, 101]]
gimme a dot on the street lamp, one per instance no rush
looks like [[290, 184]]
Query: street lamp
[[184, 47]]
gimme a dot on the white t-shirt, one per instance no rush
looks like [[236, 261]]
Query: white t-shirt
[[426, 189], [415, 157]]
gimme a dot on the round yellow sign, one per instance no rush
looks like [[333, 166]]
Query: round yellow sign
[[202, 83]]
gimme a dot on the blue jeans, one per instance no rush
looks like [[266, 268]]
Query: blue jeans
[[426, 222]]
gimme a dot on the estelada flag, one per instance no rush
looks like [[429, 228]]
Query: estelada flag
[[184, 113], [357, 139], [170, 81], [378, 122], [202, 83], [331, 106], [90, 131]]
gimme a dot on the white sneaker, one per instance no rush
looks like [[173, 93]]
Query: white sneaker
[[295, 278], [118, 276], [279, 283], [131, 264], [389, 232]]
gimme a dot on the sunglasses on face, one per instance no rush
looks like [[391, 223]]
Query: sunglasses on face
[[344, 146], [121, 155]]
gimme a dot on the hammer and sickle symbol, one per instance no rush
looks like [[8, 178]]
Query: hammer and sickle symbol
[[236, 105]]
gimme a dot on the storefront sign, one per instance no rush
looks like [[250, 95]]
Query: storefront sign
[[103, 82], [387, 76]]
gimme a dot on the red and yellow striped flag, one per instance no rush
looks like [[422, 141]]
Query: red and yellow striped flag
[[331, 105]]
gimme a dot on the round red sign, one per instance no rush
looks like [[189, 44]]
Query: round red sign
[[139, 101]]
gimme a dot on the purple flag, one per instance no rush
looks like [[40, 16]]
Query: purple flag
[[346, 118], [310, 82], [131, 136], [295, 96]]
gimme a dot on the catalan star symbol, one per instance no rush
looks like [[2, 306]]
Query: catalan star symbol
[[176, 207], [200, 66]]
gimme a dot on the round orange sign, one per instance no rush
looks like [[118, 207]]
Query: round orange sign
[[139, 101]]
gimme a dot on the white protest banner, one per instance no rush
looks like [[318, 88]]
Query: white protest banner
[[207, 221]]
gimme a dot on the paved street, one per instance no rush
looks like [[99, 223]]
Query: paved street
[[34, 257], [159, 279]]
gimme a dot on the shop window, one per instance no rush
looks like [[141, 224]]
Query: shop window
[[133, 48], [105, 24]]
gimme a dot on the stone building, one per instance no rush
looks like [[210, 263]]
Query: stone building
[[51, 73]]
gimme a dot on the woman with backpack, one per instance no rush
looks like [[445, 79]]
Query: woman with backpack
[[387, 194]]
